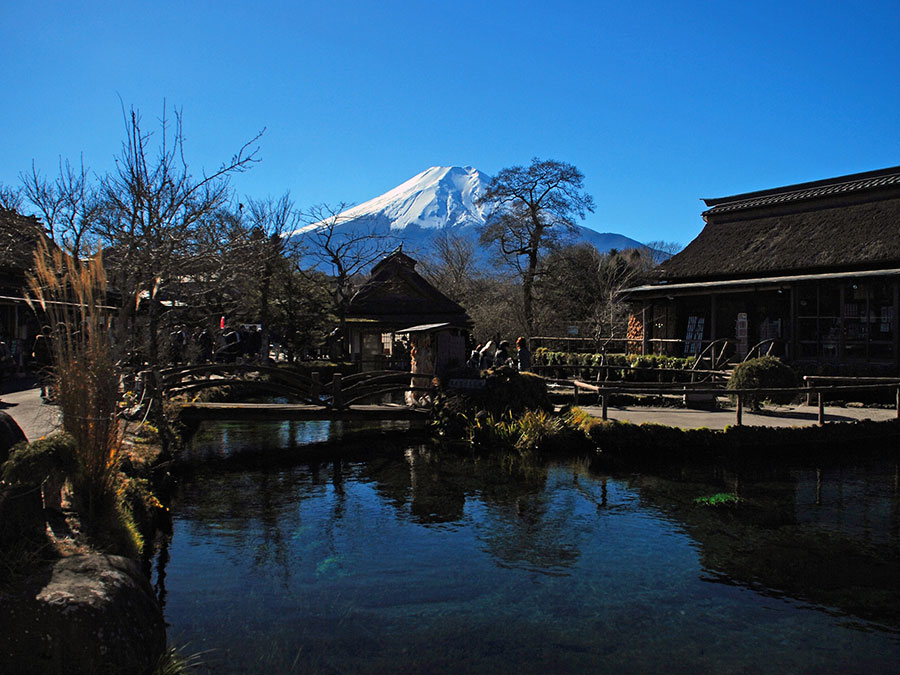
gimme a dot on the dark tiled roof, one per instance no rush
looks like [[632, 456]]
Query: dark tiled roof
[[870, 180]]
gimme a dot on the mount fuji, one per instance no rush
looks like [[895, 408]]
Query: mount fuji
[[438, 201]]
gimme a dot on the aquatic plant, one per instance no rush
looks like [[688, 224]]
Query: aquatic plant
[[719, 499], [174, 661], [535, 428]]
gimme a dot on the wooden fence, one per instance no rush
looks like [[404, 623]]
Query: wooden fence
[[810, 389]]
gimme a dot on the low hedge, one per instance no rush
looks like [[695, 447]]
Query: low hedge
[[638, 444], [624, 367]]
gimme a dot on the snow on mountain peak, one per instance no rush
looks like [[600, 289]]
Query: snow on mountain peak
[[438, 196], [441, 197]]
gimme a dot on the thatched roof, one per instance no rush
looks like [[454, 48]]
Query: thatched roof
[[840, 224], [19, 236], [396, 295]]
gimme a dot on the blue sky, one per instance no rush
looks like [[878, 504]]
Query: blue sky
[[659, 104]]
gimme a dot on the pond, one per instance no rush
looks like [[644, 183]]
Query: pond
[[409, 559]]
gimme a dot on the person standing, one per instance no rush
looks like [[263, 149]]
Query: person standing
[[42, 354], [523, 355], [501, 356]]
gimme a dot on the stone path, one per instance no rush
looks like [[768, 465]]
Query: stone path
[[35, 417]]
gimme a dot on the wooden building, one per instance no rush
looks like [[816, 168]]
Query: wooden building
[[19, 237], [814, 266], [395, 300]]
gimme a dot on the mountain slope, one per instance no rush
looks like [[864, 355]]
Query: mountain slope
[[440, 200]]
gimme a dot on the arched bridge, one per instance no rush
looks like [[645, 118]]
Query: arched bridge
[[338, 394]]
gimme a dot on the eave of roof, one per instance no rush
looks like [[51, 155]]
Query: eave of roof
[[748, 285]]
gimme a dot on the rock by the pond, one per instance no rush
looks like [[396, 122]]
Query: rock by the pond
[[10, 434], [90, 613]]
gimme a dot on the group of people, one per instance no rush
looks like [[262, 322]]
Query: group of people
[[203, 346], [495, 353]]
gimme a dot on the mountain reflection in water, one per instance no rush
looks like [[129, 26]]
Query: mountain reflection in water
[[406, 558]]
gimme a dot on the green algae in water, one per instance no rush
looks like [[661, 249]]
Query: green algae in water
[[719, 499], [330, 565]]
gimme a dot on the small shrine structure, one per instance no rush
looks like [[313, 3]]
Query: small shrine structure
[[399, 321]]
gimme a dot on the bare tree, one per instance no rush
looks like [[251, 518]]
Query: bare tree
[[582, 285], [10, 198], [68, 206], [271, 222], [156, 215], [452, 266], [660, 250], [530, 206], [615, 272], [342, 253]]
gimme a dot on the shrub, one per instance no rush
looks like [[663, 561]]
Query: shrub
[[507, 393], [766, 372], [32, 463]]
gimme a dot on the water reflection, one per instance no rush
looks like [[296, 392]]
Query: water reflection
[[417, 559], [827, 536]]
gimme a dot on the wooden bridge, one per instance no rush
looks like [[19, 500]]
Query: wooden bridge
[[361, 396]]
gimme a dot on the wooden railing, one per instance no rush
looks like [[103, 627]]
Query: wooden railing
[[339, 393], [604, 391]]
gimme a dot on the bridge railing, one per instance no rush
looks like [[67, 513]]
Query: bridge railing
[[339, 393]]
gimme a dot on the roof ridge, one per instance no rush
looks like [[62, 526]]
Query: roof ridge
[[801, 191]]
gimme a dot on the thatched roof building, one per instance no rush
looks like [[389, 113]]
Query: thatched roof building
[[846, 223], [814, 266], [19, 237], [394, 298]]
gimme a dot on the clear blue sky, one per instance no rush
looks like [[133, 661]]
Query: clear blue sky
[[659, 104]]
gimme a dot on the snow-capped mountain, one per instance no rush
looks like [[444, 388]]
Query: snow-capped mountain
[[438, 197], [439, 200]]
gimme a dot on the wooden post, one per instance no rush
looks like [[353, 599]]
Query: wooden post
[[603, 406], [336, 390], [740, 410], [898, 403], [821, 409], [315, 389], [808, 393], [575, 387]]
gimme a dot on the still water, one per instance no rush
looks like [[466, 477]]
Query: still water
[[410, 560]]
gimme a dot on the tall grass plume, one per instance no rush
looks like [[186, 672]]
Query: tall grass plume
[[71, 294]]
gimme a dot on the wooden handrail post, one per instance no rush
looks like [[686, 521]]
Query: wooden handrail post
[[821, 409], [315, 389], [603, 406], [807, 384], [740, 410], [575, 386], [898, 402], [336, 390]]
